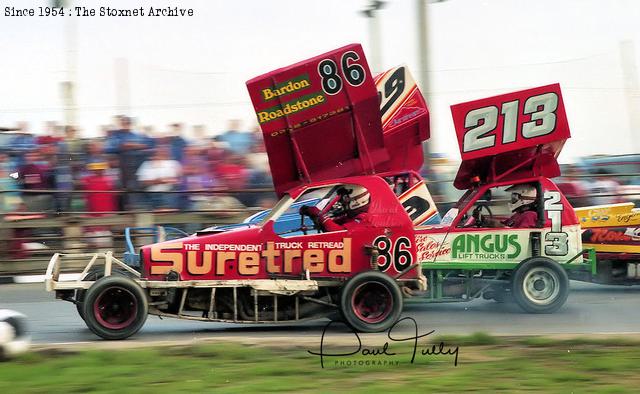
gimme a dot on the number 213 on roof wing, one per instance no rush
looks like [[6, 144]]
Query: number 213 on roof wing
[[510, 121]]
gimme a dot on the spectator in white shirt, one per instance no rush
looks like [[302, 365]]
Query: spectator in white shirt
[[161, 174]]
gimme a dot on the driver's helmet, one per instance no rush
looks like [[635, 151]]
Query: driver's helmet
[[355, 199], [521, 195], [359, 199]]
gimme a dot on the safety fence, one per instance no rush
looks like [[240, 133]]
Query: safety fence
[[28, 239], [27, 243]]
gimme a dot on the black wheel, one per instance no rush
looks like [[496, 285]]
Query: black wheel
[[540, 285], [115, 307], [94, 274], [371, 301]]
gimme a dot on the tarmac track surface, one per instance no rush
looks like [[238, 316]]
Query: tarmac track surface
[[590, 309]]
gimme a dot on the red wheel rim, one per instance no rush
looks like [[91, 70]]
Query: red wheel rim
[[115, 308], [372, 302]]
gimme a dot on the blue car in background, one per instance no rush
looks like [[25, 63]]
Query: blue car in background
[[288, 222]]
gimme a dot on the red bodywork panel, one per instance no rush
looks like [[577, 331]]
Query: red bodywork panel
[[569, 217], [511, 136], [321, 119], [260, 253], [455, 242]]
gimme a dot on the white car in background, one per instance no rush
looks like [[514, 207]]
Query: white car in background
[[14, 336]]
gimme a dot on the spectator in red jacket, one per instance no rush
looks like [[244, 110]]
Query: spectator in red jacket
[[95, 182]]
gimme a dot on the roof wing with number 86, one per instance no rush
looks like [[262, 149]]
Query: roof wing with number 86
[[320, 118]]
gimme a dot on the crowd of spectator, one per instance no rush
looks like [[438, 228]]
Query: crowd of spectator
[[132, 167], [597, 187]]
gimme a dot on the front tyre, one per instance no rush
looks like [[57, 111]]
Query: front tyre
[[540, 285], [93, 275], [115, 307], [371, 302]]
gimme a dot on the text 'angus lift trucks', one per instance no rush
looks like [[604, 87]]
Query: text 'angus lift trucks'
[[353, 233]]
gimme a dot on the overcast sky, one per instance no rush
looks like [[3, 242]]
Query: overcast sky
[[193, 69]]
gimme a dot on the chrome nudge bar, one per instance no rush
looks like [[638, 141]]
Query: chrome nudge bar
[[52, 276]]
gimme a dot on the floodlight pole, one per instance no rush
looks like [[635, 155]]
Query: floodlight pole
[[376, 51], [423, 79], [631, 88], [68, 86], [371, 13]]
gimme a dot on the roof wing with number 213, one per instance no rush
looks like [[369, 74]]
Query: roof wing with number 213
[[511, 136]]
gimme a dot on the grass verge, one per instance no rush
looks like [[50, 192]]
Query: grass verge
[[485, 363]]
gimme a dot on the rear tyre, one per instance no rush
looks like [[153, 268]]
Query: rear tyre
[[371, 301], [115, 307], [540, 285]]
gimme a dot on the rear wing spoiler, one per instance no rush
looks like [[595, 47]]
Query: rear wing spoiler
[[405, 119], [321, 119], [510, 136]]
